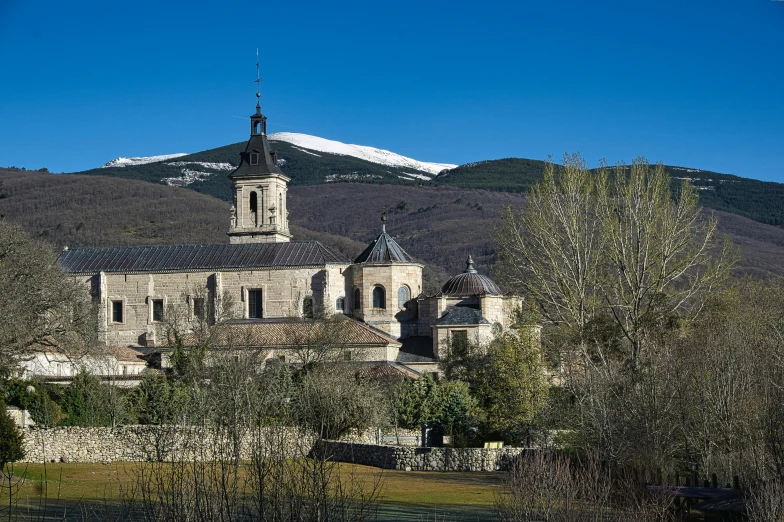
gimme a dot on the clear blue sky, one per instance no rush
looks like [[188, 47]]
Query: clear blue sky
[[689, 82]]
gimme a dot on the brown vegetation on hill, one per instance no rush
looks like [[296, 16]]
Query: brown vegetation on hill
[[439, 225]]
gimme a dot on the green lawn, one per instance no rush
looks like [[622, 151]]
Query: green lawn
[[407, 495]]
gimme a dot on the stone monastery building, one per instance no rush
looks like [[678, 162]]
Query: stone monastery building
[[278, 285]]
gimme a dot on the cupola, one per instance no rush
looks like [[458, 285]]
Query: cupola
[[470, 283]]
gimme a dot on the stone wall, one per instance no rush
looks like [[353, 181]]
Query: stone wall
[[152, 443], [156, 443], [420, 459]]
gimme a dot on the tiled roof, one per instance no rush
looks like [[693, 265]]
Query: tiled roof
[[384, 249], [122, 353], [197, 257], [387, 371], [292, 332], [462, 315]]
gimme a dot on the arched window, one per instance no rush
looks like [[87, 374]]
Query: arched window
[[357, 299], [379, 299], [253, 204], [340, 305], [403, 296], [307, 307]]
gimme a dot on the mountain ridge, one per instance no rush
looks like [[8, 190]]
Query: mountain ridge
[[205, 171]]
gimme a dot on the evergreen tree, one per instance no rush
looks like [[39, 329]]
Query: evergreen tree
[[11, 439]]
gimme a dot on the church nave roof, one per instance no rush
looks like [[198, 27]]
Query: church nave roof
[[163, 258]]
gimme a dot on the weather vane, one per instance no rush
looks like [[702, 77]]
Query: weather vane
[[258, 79]]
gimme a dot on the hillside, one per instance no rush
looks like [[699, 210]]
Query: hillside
[[206, 171], [439, 225], [309, 160], [759, 200]]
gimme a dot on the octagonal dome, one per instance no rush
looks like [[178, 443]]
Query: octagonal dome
[[470, 283]]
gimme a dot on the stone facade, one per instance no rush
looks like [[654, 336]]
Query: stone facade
[[283, 292], [390, 278], [260, 213]]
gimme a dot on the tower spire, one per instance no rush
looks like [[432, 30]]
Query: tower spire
[[258, 81]]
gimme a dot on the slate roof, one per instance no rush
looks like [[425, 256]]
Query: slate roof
[[469, 283], [462, 315], [165, 258], [266, 166], [285, 332], [384, 249]]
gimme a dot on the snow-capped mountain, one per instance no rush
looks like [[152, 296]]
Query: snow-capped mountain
[[127, 162], [312, 145], [372, 154]]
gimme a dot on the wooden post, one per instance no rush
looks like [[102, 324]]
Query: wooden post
[[736, 482], [714, 481], [658, 477], [694, 480]]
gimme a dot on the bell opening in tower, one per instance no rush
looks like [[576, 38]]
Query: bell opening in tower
[[253, 207]]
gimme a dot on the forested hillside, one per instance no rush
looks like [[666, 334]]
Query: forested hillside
[[759, 200], [206, 172], [439, 225]]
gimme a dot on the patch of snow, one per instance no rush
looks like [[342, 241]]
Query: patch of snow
[[188, 177], [380, 156], [306, 151], [349, 177], [418, 176], [205, 164], [127, 162], [687, 170]]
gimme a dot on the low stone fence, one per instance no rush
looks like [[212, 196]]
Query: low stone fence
[[156, 443], [166, 443], [420, 459]]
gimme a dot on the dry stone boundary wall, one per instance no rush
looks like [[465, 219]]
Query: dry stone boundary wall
[[164, 443], [421, 459], [155, 443]]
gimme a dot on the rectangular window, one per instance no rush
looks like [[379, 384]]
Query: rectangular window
[[254, 158], [117, 311], [254, 304], [157, 310], [347, 355], [459, 342], [198, 308]]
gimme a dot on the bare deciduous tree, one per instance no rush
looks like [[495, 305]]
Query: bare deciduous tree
[[43, 310]]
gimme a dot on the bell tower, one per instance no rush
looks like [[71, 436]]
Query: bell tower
[[259, 213]]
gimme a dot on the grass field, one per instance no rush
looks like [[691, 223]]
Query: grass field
[[407, 495]]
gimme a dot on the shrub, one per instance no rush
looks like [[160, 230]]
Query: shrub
[[11, 439]]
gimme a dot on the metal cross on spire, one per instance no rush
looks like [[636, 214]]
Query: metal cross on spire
[[258, 81]]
